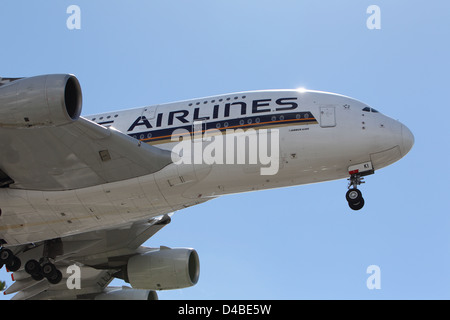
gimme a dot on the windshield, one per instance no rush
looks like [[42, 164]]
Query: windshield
[[368, 109]]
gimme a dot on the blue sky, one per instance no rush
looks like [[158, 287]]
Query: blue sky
[[292, 243]]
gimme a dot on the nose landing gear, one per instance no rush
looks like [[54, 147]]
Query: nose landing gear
[[357, 172], [354, 196]]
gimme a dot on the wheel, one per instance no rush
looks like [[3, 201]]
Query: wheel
[[14, 264], [56, 277], [353, 196], [32, 267], [48, 270], [356, 205], [6, 256], [37, 276]]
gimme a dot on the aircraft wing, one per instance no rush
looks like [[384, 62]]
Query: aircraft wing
[[74, 155], [100, 257], [45, 145]]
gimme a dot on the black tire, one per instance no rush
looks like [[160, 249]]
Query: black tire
[[353, 196], [14, 264], [56, 278], [37, 276], [6, 256], [32, 267], [357, 206], [48, 270]]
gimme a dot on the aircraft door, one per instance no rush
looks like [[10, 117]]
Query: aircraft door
[[327, 117]]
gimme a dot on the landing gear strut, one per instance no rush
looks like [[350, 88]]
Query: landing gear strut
[[37, 270], [354, 196], [45, 268]]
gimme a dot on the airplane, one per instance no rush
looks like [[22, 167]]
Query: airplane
[[84, 193]]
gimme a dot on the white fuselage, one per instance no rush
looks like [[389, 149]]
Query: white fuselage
[[310, 137]]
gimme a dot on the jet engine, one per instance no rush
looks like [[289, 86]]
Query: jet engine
[[47, 100], [127, 294], [164, 269]]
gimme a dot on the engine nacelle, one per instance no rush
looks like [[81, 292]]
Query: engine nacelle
[[48, 100], [127, 294], [164, 269]]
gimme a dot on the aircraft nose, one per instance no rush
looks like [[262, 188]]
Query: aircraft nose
[[407, 140]]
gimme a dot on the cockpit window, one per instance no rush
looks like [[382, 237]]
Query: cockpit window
[[367, 109]]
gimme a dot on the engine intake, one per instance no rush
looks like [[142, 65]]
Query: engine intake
[[48, 100], [164, 269]]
